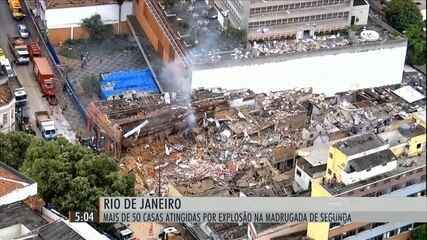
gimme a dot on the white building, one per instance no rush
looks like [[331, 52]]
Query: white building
[[64, 17], [7, 109], [327, 71], [22, 215]]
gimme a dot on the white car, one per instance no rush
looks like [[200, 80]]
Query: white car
[[171, 230], [23, 31]]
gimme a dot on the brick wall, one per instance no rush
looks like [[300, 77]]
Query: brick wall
[[153, 30], [59, 35]]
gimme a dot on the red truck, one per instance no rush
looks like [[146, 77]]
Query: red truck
[[45, 78], [34, 50]]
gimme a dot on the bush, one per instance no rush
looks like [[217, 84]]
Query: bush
[[96, 28], [90, 84]]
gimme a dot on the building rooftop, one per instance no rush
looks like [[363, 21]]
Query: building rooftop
[[77, 3], [10, 180], [403, 165], [307, 167], [412, 130], [5, 94], [20, 213], [58, 230], [359, 144], [370, 161]]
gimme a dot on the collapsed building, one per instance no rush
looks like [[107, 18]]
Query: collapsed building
[[237, 143]]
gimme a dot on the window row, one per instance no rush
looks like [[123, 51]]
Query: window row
[[285, 7], [298, 19]]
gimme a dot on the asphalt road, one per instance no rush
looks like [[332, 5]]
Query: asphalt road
[[26, 79]]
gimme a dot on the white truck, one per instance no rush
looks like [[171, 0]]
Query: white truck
[[46, 125]]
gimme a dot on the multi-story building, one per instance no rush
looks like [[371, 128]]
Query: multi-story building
[[384, 165], [263, 19]]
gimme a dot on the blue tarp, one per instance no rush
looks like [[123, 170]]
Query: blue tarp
[[118, 83]]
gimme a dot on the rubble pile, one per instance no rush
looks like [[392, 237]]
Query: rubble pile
[[222, 140], [230, 131]]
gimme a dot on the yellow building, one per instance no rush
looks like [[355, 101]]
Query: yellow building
[[367, 165]]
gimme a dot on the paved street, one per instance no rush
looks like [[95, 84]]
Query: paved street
[[26, 77]]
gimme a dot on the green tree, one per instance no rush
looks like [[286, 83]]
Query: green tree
[[96, 28], [73, 177], [401, 14], [420, 233], [417, 50], [13, 147]]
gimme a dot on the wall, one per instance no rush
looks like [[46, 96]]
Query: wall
[[413, 142], [303, 181], [19, 194], [13, 231], [329, 72], [153, 30], [335, 164], [59, 35], [349, 178], [72, 17], [361, 14], [64, 23], [318, 231], [8, 109]]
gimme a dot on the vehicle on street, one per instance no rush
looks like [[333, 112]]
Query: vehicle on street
[[167, 232], [45, 77], [20, 97], [19, 49], [34, 50], [16, 9], [7, 67], [22, 31], [46, 125], [122, 232]]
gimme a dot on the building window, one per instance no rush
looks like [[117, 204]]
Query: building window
[[418, 145], [329, 171], [5, 119], [331, 155], [298, 172]]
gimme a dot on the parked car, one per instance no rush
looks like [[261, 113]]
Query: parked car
[[23, 31]]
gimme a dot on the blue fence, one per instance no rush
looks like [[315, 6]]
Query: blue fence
[[52, 51]]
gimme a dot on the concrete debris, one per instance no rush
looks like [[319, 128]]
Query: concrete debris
[[233, 142]]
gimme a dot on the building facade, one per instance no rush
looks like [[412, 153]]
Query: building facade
[[7, 109], [284, 18], [371, 165]]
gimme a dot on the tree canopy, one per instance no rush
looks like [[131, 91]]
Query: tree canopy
[[401, 14], [13, 147], [405, 17], [420, 233], [96, 28], [69, 176]]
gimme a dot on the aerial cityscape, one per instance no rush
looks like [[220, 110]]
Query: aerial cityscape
[[209, 98]]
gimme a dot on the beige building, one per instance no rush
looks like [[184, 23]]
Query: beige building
[[265, 19]]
